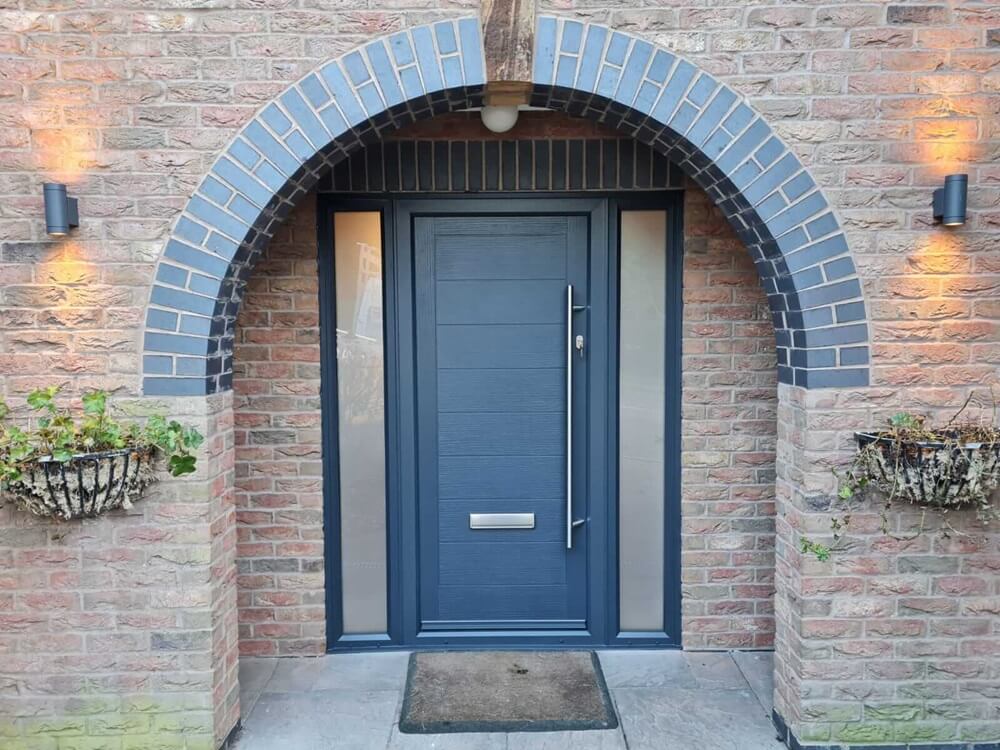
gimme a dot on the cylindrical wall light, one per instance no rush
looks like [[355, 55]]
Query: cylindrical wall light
[[61, 212], [950, 201]]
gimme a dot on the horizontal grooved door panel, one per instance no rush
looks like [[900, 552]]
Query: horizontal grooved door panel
[[501, 476], [501, 390], [472, 434], [501, 346], [501, 301]]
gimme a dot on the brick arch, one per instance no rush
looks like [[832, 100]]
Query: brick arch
[[589, 70]]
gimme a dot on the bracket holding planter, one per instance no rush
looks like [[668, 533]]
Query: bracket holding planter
[[85, 486], [70, 465]]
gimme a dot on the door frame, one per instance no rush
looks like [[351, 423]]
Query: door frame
[[402, 552]]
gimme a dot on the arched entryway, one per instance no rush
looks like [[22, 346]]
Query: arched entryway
[[775, 206], [717, 138]]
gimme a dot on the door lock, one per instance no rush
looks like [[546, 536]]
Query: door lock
[[579, 345]]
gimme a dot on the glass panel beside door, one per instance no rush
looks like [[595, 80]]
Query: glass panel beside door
[[360, 425], [648, 425]]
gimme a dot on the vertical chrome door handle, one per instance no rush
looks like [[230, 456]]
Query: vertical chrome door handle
[[570, 344]]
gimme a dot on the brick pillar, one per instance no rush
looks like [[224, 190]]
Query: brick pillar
[[894, 639], [124, 627]]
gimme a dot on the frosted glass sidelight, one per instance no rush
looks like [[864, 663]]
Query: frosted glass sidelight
[[642, 340], [357, 237]]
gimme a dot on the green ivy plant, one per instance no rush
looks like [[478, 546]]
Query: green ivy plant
[[938, 469], [59, 434]]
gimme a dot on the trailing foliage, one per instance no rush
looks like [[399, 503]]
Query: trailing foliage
[[72, 464], [938, 469]]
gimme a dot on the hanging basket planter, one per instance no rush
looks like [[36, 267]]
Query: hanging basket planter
[[912, 465], [68, 464], [948, 474], [85, 486]]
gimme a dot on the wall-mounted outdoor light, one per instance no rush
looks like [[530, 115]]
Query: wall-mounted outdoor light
[[61, 212], [949, 201]]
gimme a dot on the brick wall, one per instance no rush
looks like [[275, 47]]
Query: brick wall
[[123, 625], [896, 638], [279, 482], [729, 428], [729, 414]]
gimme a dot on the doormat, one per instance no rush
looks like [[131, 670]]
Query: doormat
[[505, 691]]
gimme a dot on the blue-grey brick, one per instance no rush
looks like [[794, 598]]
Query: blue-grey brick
[[617, 48], [181, 300], [343, 93], [822, 226], [850, 312], [191, 366], [244, 153], [444, 32], [856, 333], [832, 378], [814, 357], [632, 74], [385, 73], [817, 252], [590, 60], [702, 89], [738, 119], [161, 319], [472, 51], [173, 275], [743, 146], [215, 190], [427, 59], [276, 119], [204, 285], [174, 343], [314, 90], [305, 118], [269, 146], [190, 231], [825, 295], [221, 245], [797, 213], [402, 52], [854, 355], [452, 68], [356, 69], [572, 33], [798, 186], [196, 325], [189, 256], [566, 71], [156, 364], [243, 182], [300, 146], [217, 218], [838, 269], [175, 386]]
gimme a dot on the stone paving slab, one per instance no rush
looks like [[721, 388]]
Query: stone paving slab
[[758, 669], [659, 718], [664, 699]]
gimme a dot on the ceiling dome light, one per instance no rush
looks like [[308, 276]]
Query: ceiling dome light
[[499, 119]]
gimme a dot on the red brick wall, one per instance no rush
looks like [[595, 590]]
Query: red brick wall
[[728, 441], [729, 413], [278, 458]]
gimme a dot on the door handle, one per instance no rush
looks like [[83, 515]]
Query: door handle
[[572, 345]]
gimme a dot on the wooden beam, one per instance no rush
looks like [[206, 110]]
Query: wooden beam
[[509, 39]]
